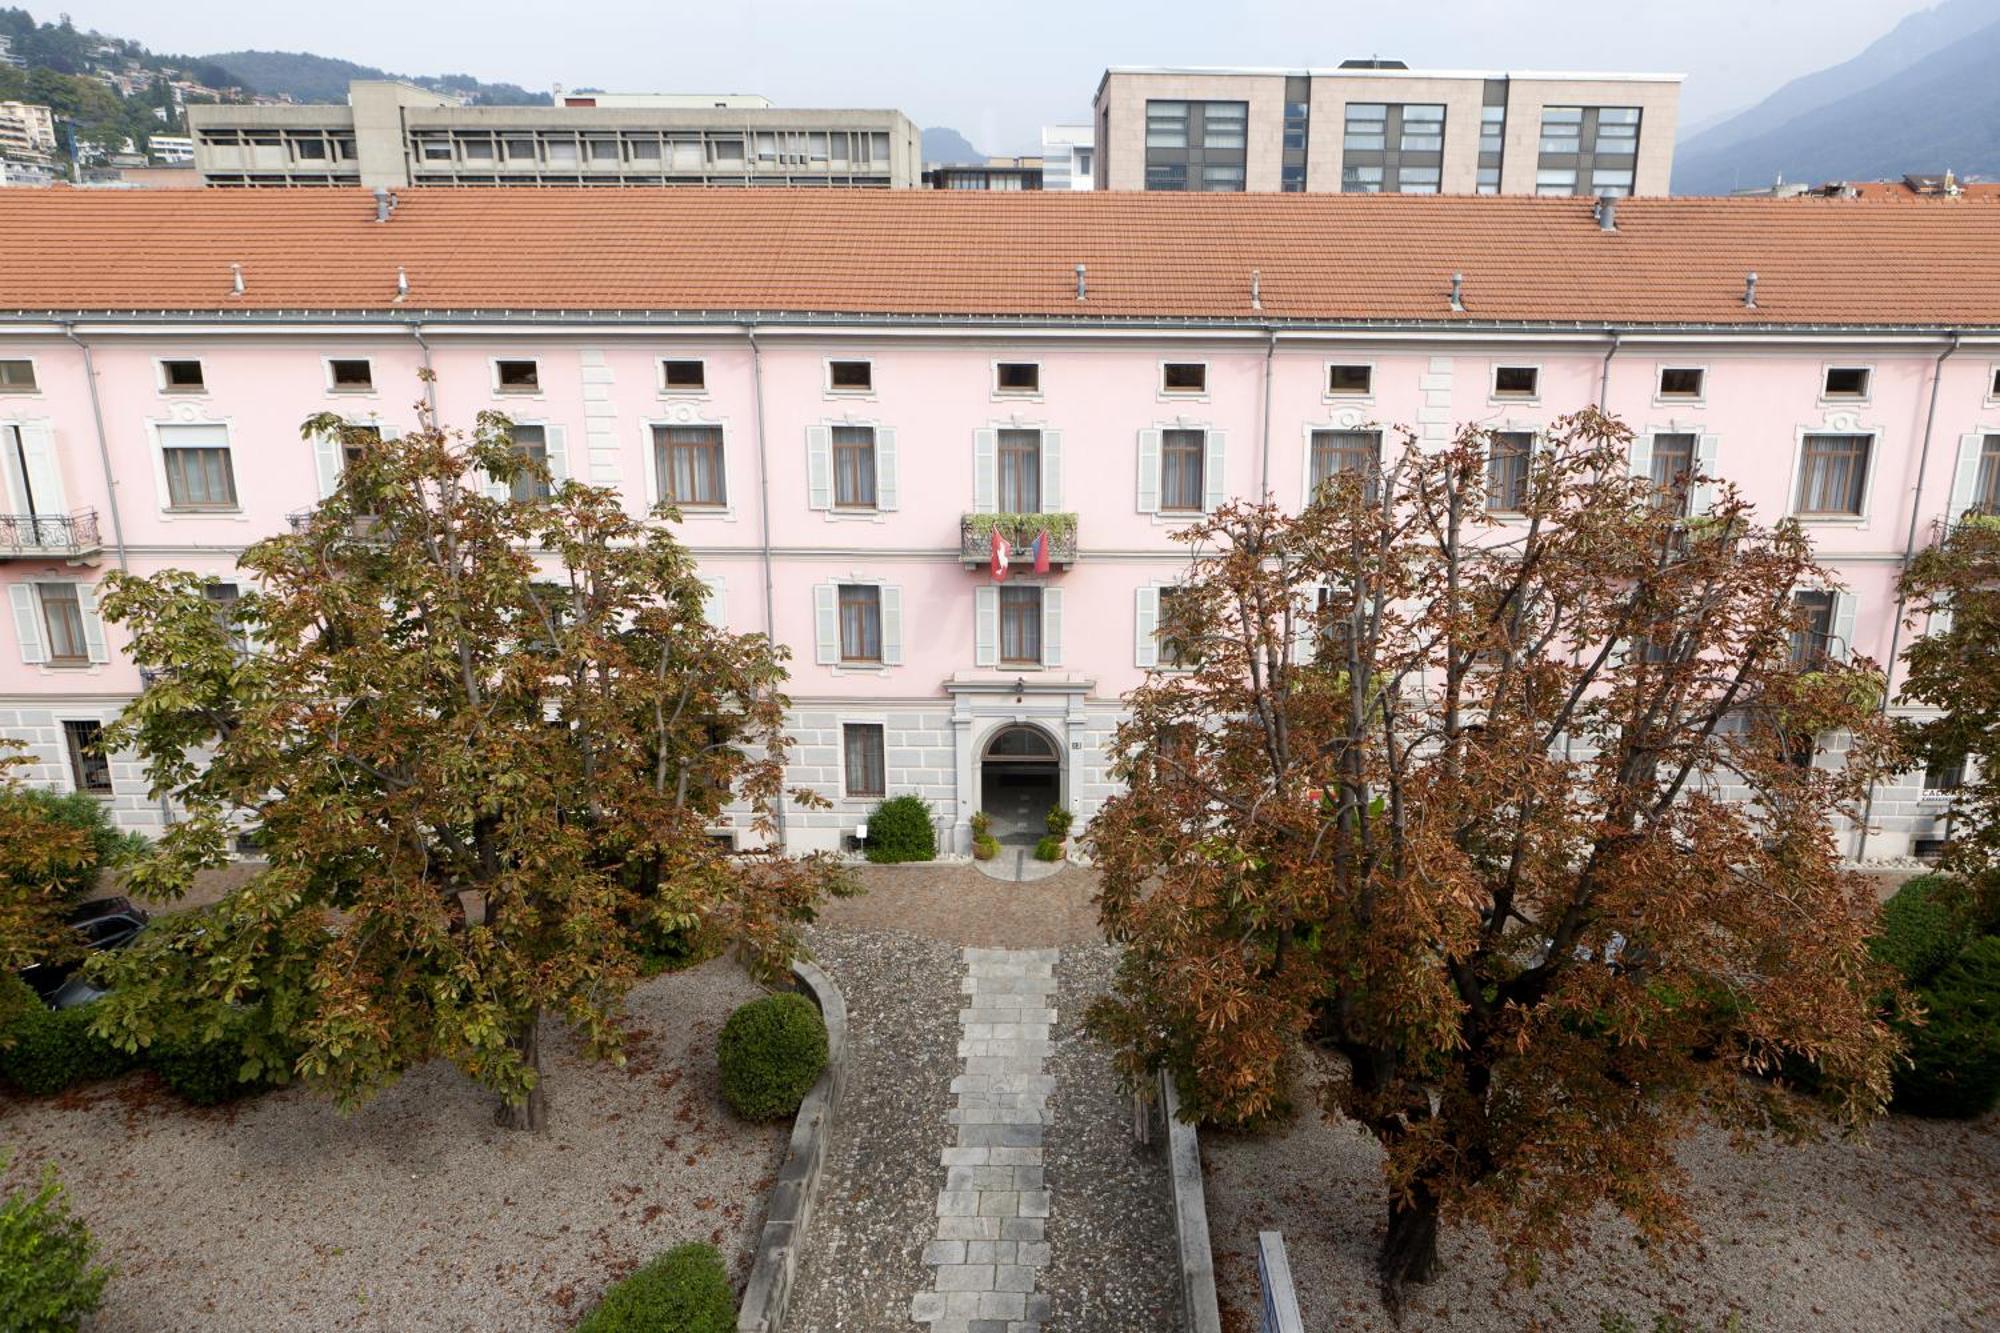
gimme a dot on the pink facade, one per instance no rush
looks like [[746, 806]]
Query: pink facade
[[938, 421]]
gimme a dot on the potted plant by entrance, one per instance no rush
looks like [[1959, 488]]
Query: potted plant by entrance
[[984, 845], [1059, 821]]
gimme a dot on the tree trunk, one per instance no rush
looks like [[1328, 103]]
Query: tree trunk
[[531, 1113], [1409, 1248]]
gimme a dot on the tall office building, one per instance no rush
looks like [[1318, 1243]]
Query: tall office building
[[394, 134], [1379, 127]]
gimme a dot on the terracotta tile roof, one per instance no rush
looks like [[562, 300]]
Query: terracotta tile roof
[[924, 252]]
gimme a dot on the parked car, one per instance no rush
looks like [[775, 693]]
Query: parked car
[[103, 923]]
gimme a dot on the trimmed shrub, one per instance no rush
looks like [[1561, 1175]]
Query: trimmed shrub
[[49, 1279], [1924, 926], [1049, 849], [900, 830], [985, 847], [52, 1050], [1059, 821], [1955, 1055], [771, 1051], [18, 1004], [685, 1290], [205, 1073]]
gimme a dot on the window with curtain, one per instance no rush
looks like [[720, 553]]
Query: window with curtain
[[1338, 451], [531, 443], [860, 622], [1507, 461], [1673, 464], [1021, 626], [198, 477], [1177, 647], [89, 768], [1181, 459], [1020, 464], [854, 467], [862, 743], [1943, 777], [62, 617], [1812, 637], [688, 460], [1833, 474]]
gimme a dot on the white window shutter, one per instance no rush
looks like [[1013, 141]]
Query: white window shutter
[[892, 626], [1149, 472], [28, 623], [826, 623], [1965, 476], [715, 606], [1146, 630], [1702, 495], [327, 461], [93, 624], [556, 441], [1052, 650], [1214, 483], [1940, 621], [1305, 620], [1843, 624], [986, 626], [886, 491], [494, 488], [1642, 456], [38, 446], [985, 471], [819, 467], [1052, 476]]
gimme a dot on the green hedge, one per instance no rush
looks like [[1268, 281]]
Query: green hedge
[[685, 1290], [1924, 926], [771, 1052], [49, 1279], [1954, 1068], [52, 1049], [900, 830], [109, 844], [1049, 849]]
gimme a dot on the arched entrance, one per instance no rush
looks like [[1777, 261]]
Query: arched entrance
[[1020, 781]]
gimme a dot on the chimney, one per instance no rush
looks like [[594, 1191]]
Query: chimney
[[1458, 292], [1080, 285], [1607, 212], [385, 204], [1750, 290]]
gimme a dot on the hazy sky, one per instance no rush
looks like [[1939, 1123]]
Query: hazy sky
[[998, 71]]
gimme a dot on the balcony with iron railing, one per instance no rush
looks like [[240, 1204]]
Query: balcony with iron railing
[[49, 536], [1019, 531]]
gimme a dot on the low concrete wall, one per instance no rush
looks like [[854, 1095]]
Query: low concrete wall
[[1204, 1314], [782, 1241]]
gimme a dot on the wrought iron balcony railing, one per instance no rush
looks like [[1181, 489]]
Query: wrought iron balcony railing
[[48, 536], [1019, 531]]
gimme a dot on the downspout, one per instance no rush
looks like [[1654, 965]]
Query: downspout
[[1909, 554], [1270, 349], [1604, 374], [430, 379], [103, 445], [764, 532]]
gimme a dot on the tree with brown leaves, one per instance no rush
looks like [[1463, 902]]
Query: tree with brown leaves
[[1501, 784]]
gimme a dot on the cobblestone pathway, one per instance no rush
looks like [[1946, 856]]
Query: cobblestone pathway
[[993, 1210]]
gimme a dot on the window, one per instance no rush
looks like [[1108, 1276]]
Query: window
[[182, 377], [222, 600], [351, 376], [1350, 379], [1555, 180], [1224, 124], [1292, 178], [860, 622], [197, 464], [1516, 381], [1017, 377], [532, 443], [853, 467], [1617, 131], [1181, 458], [1418, 180], [1673, 465], [1846, 382], [1562, 129], [1360, 180], [1166, 175], [1833, 474], [1488, 181], [62, 617], [1184, 377], [1423, 129], [517, 376], [688, 462], [309, 150], [1337, 451], [683, 376], [1507, 471], [1177, 643], [1944, 777], [1986, 482], [1612, 182], [1492, 128], [861, 743], [17, 377], [1222, 177], [850, 376], [1680, 382], [1367, 126], [1166, 124], [1020, 626], [1019, 463], [89, 768], [1812, 634]]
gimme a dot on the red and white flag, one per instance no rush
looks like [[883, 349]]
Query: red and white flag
[[1041, 552], [1000, 555]]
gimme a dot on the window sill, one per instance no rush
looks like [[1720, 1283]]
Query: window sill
[[185, 511], [849, 395], [35, 392], [1017, 396], [353, 393], [519, 393], [184, 393], [858, 668], [1672, 403], [681, 395], [1836, 402], [854, 515], [1178, 396], [1514, 400], [1348, 398], [1835, 520], [722, 512]]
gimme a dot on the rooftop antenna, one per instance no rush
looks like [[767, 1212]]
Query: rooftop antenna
[[402, 283], [1081, 286], [1256, 290], [236, 279], [1750, 290], [1458, 292]]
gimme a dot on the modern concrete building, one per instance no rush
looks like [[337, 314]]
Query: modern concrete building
[[844, 417], [394, 134], [995, 173], [1067, 153], [1378, 127]]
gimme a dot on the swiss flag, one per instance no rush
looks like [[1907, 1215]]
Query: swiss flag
[[1000, 554]]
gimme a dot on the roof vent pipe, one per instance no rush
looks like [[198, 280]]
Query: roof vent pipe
[[1458, 292], [1750, 290], [236, 279], [1607, 212], [402, 284], [1256, 290], [385, 204], [1080, 285]]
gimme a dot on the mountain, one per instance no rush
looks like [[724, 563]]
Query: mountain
[[1914, 100], [304, 77], [947, 147]]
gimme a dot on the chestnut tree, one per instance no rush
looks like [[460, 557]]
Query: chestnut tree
[[1499, 778]]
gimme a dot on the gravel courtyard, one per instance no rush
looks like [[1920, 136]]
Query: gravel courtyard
[[1897, 1231], [414, 1212]]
